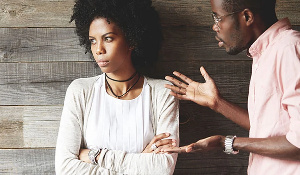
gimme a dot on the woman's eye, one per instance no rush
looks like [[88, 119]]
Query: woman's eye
[[93, 41], [108, 39]]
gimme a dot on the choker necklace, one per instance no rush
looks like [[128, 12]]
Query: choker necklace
[[121, 80], [120, 96]]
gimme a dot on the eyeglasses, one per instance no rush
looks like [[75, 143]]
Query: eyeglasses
[[217, 19]]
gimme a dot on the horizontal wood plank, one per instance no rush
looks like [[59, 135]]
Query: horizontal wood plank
[[37, 126], [40, 45], [32, 13], [61, 44], [29, 126], [27, 161], [46, 83], [41, 161], [213, 163]]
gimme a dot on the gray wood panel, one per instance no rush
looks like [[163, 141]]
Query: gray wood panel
[[37, 126], [32, 13], [29, 126], [46, 83], [27, 161], [61, 44], [214, 163], [41, 161], [40, 45]]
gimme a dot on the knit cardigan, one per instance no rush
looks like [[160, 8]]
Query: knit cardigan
[[72, 130]]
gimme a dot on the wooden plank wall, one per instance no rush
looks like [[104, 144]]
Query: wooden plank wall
[[40, 56]]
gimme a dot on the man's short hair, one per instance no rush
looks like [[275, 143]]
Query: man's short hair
[[264, 8]]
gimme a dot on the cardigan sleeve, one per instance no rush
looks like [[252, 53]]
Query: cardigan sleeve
[[111, 161], [70, 133]]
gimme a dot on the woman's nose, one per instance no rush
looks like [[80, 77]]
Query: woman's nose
[[100, 50]]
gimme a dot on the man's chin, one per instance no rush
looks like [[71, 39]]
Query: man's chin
[[233, 51]]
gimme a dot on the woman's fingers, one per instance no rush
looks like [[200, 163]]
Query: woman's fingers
[[165, 142], [159, 137]]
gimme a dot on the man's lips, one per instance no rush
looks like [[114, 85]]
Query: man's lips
[[221, 43]]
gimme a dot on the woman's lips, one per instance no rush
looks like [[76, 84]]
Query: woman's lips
[[102, 63]]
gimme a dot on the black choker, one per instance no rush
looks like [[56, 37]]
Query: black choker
[[120, 96], [121, 80]]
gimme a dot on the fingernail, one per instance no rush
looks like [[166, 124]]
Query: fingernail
[[174, 144], [168, 134]]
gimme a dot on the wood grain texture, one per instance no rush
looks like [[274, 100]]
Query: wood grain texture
[[41, 161], [61, 44], [214, 163], [29, 126], [37, 126], [46, 83], [184, 43], [33, 13], [27, 161]]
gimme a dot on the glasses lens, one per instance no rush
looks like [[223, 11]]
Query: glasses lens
[[215, 18]]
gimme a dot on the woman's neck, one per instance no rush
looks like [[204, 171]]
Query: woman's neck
[[125, 86]]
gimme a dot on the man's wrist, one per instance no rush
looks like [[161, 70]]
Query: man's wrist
[[216, 104], [228, 145]]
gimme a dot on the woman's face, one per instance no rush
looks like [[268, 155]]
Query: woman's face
[[109, 46]]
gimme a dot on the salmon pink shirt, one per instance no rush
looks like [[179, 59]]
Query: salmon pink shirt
[[274, 95]]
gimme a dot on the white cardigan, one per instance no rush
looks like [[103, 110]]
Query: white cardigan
[[73, 124]]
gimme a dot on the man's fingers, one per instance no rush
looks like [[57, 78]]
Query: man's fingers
[[183, 77], [179, 96], [174, 150], [176, 89], [176, 82], [205, 74]]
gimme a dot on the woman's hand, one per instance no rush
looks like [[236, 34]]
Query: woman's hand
[[160, 143], [83, 155], [204, 94]]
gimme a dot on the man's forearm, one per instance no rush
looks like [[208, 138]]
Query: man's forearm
[[233, 112], [276, 147]]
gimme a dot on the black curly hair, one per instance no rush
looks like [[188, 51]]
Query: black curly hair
[[138, 20]]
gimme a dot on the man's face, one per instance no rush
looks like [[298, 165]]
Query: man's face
[[229, 31]]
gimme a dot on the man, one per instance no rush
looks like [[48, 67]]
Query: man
[[273, 116]]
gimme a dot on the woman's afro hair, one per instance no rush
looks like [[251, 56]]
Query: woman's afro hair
[[138, 20]]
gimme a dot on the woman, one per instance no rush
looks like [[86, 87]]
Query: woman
[[117, 122]]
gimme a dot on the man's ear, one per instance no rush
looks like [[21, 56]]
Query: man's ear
[[248, 17]]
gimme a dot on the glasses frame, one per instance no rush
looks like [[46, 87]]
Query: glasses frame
[[217, 18]]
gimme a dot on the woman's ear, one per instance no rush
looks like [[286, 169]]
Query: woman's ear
[[131, 48]]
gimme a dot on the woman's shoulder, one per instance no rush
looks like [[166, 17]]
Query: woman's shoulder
[[83, 83], [158, 85]]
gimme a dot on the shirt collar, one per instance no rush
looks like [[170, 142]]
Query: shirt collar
[[268, 37]]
